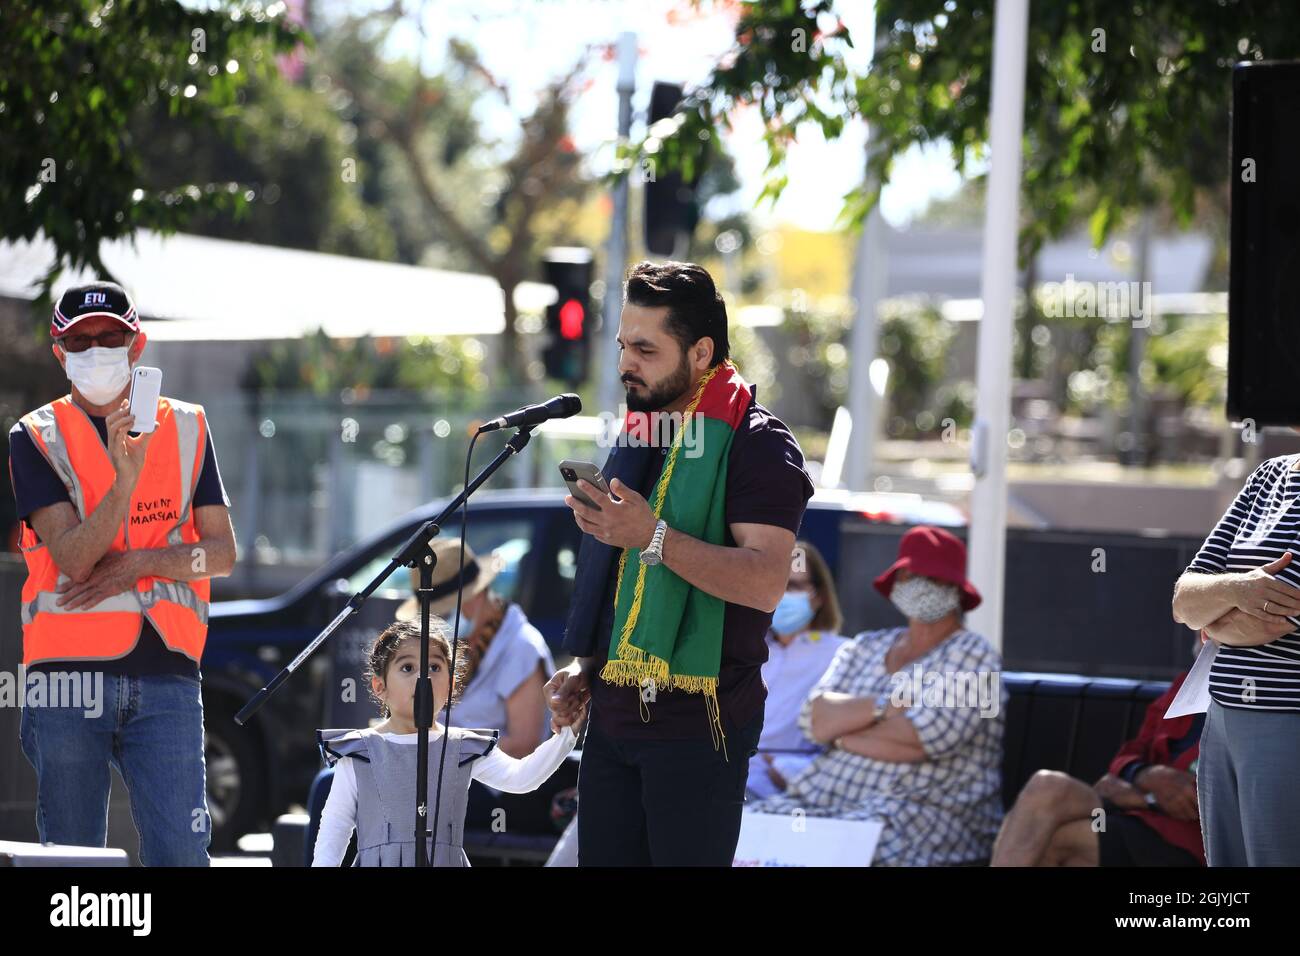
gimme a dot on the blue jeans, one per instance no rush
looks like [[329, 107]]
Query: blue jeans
[[151, 729]]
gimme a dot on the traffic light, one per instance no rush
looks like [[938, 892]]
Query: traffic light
[[671, 211], [570, 324]]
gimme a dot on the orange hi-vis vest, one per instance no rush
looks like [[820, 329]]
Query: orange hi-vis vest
[[159, 515]]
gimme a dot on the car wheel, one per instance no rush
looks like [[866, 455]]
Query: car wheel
[[235, 775]]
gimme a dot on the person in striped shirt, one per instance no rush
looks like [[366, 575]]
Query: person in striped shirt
[[1243, 590]]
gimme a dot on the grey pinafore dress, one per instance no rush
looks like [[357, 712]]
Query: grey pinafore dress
[[385, 772]]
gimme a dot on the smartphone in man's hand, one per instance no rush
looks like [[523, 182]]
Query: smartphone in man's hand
[[574, 471], [146, 389]]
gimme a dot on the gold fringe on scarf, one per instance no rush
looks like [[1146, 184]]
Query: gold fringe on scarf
[[633, 667]]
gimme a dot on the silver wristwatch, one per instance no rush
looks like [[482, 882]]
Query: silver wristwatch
[[653, 553]]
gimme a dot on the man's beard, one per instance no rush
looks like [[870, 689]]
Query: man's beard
[[663, 394]]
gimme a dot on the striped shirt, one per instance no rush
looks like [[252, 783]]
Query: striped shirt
[[1261, 525]]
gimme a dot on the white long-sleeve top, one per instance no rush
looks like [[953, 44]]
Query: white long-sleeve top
[[496, 769]]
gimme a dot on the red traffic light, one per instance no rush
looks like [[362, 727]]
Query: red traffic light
[[572, 315]]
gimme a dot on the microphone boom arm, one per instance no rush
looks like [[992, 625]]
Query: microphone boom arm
[[408, 555]]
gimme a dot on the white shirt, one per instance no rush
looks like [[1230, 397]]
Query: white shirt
[[512, 658], [496, 769], [790, 673]]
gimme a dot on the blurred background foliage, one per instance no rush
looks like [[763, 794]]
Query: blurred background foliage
[[326, 367]]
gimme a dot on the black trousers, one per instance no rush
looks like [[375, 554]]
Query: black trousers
[[662, 802]]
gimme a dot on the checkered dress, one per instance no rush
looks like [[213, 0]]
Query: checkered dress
[[944, 810]]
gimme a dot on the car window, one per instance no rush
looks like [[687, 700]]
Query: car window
[[510, 537], [566, 563], [556, 571]]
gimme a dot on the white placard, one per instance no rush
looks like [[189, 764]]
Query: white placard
[[1193, 696], [782, 839]]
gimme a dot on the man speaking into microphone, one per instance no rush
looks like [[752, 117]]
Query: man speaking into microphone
[[679, 570]]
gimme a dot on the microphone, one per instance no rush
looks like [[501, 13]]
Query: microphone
[[561, 406]]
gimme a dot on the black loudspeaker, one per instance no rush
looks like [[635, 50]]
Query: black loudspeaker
[[1263, 304]]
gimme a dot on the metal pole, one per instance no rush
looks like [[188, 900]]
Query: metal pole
[[251, 506], [606, 358], [1141, 452], [987, 545], [864, 404], [870, 275]]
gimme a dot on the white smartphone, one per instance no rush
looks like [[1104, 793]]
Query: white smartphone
[[572, 471], [146, 389]]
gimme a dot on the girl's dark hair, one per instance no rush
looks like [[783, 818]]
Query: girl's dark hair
[[828, 616], [695, 309], [384, 648]]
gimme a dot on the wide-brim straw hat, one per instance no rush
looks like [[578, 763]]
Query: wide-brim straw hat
[[478, 576]]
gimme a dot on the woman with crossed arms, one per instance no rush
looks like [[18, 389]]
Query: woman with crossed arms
[[1242, 590]]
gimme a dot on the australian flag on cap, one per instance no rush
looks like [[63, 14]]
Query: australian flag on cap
[[97, 298]]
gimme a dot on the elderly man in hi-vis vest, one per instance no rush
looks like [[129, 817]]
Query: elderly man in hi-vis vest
[[121, 532]]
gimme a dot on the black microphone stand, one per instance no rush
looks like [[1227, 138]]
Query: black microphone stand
[[414, 553]]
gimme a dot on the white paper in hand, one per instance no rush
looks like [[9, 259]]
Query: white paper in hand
[[1194, 696]]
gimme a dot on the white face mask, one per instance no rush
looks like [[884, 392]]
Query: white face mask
[[99, 374], [925, 600]]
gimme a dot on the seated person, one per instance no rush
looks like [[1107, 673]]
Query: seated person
[[1142, 812], [803, 638], [914, 717]]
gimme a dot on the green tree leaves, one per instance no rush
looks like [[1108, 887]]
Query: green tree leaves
[[1125, 103], [73, 73]]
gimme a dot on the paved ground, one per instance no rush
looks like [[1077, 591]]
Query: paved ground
[[240, 859], [254, 850]]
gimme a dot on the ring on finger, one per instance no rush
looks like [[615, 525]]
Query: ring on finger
[[1265, 607]]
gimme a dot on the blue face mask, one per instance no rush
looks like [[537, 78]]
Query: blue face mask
[[793, 613]]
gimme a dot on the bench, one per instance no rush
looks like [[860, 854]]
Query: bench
[[1069, 723]]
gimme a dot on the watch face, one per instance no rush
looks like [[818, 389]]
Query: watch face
[[649, 557]]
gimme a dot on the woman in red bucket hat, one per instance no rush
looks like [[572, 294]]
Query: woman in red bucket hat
[[912, 719], [932, 553]]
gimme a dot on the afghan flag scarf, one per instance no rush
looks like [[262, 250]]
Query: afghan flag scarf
[[667, 634]]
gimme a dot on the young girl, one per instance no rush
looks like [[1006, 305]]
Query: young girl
[[374, 776]]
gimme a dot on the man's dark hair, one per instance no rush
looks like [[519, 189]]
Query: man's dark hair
[[695, 309]]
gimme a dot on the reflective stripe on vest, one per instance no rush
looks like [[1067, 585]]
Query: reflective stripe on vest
[[43, 422], [177, 592], [174, 592], [158, 514]]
